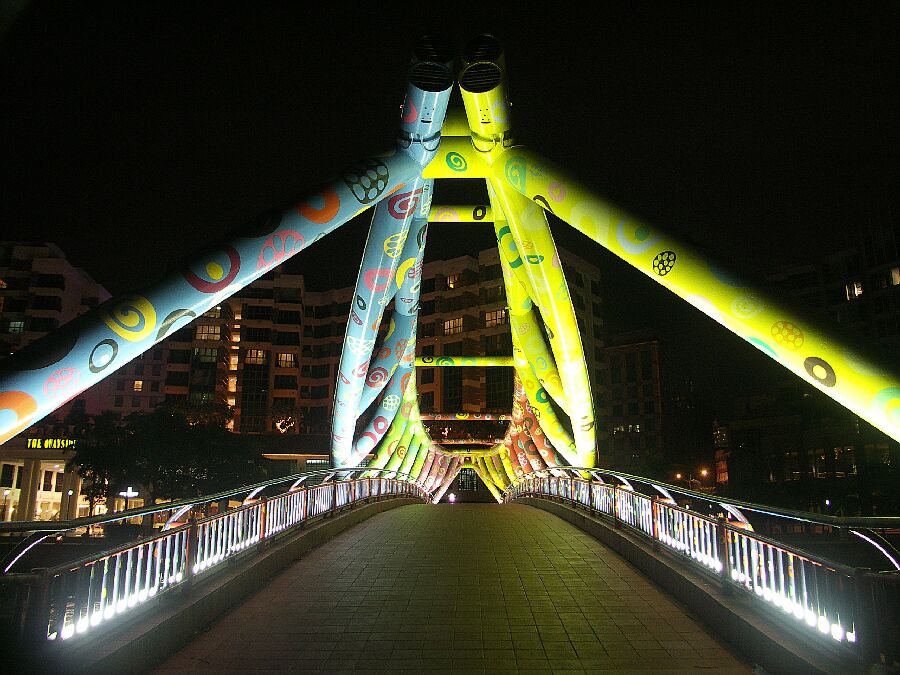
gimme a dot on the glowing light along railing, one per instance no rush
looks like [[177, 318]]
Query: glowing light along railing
[[815, 592], [84, 595]]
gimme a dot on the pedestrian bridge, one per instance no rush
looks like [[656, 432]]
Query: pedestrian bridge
[[465, 587], [361, 572], [513, 588]]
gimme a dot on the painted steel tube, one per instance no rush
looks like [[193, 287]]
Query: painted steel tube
[[457, 158], [422, 115], [417, 442], [382, 419], [398, 345], [531, 233], [500, 469], [464, 416], [542, 407], [396, 431], [421, 458], [400, 451], [452, 468], [869, 386], [37, 380], [477, 361], [481, 471], [379, 278], [440, 461], [507, 465], [492, 471], [466, 213]]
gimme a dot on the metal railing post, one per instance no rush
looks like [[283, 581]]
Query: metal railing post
[[37, 611], [618, 522], [722, 544], [572, 492], [263, 517], [190, 557], [334, 503], [654, 509], [865, 619], [304, 516]]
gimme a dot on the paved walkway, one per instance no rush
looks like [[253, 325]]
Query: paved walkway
[[478, 588]]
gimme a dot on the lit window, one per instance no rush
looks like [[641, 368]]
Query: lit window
[[16, 327], [232, 383], [234, 362], [287, 360], [452, 326], [453, 281], [895, 276], [468, 480], [495, 318], [139, 385], [256, 357], [208, 332], [205, 355], [214, 312], [854, 289]]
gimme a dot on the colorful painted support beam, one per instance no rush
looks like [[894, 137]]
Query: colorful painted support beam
[[478, 213], [477, 361], [38, 379], [464, 417], [867, 385]]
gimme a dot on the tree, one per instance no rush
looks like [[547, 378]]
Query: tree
[[174, 452], [102, 458]]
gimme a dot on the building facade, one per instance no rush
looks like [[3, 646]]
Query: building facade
[[793, 443], [271, 352], [857, 288], [41, 290]]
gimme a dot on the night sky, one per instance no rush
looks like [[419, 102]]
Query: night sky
[[135, 133]]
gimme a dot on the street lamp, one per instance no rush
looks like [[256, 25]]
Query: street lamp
[[704, 473]]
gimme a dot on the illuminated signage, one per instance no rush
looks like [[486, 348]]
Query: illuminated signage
[[50, 443]]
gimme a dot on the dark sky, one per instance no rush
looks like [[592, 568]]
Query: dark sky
[[134, 133]]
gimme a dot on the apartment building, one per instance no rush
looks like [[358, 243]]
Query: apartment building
[[41, 290]]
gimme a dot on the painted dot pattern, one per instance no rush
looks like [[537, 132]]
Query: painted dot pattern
[[787, 334], [664, 262]]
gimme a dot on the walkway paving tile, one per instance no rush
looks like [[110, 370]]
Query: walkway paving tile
[[464, 588]]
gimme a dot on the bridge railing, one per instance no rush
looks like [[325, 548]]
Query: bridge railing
[[847, 606], [98, 591]]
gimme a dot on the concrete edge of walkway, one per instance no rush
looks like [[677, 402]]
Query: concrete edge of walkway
[[771, 645], [139, 645]]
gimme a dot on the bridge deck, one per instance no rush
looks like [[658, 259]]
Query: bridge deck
[[459, 588]]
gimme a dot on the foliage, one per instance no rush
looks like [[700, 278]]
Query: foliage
[[173, 452]]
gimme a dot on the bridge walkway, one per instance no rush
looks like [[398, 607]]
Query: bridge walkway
[[459, 588]]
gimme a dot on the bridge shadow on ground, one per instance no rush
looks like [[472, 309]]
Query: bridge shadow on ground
[[474, 588]]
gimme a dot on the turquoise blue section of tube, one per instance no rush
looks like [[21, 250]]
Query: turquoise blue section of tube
[[384, 270], [38, 379]]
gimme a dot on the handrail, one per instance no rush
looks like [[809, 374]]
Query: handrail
[[42, 529], [81, 596], [64, 525], [830, 600], [875, 522]]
